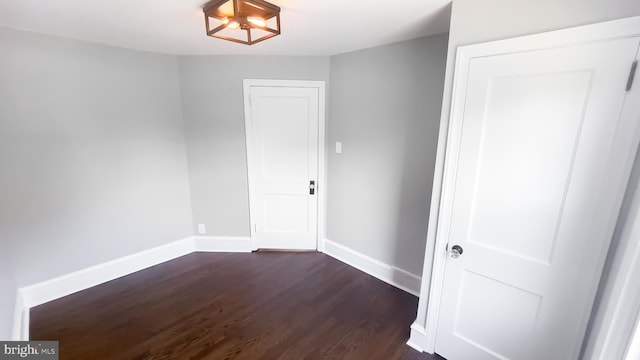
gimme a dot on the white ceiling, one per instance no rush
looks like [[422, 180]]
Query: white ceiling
[[309, 27]]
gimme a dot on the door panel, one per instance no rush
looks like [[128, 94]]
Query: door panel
[[480, 299], [537, 172], [286, 213], [284, 123], [285, 133], [542, 115]]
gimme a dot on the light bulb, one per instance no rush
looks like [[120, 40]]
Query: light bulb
[[257, 21], [232, 24]]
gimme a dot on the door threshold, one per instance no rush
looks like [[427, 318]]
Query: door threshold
[[287, 250]]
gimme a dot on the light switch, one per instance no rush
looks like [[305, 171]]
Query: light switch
[[338, 147]]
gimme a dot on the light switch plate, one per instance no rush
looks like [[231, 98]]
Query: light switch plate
[[338, 147], [201, 229]]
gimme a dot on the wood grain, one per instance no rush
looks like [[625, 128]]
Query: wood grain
[[234, 306]]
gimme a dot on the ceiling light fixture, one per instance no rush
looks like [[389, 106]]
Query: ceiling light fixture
[[242, 21]]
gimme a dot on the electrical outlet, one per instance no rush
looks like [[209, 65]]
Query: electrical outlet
[[338, 147], [201, 229]]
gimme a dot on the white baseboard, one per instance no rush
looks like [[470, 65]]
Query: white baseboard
[[56, 288], [223, 244], [392, 275], [40, 293], [19, 313], [418, 337]]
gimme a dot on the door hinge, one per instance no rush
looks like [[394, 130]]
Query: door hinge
[[632, 75]]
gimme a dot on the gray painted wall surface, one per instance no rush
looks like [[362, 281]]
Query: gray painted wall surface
[[95, 161], [213, 112], [92, 152], [385, 108], [475, 21]]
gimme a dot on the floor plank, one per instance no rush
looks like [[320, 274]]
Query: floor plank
[[234, 306]]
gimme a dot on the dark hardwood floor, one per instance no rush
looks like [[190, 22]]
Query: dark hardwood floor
[[234, 306]]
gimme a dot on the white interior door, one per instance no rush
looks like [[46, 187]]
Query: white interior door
[[537, 161], [282, 125]]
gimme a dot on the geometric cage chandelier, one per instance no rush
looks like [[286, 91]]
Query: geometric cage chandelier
[[242, 21]]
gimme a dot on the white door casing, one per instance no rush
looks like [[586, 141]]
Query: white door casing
[[538, 154], [284, 123], [633, 350]]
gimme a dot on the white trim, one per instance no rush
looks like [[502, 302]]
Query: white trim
[[599, 32], [20, 331], [613, 327], [40, 293], [392, 275], [321, 184], [26, 316], [418, 337], [64, 285], [223, 244], [633, 351], [605, 31]]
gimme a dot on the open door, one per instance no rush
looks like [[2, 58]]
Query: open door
[[538, 156]]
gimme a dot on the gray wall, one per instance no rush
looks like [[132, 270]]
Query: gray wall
[[92, 152], [95, 159], [475, 21], [385, 108], [213, 112]]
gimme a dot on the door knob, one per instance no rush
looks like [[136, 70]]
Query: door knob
[[456, 251]]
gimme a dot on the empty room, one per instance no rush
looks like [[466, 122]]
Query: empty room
[[251, 179]]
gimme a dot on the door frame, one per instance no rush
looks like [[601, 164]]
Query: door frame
[[444, 176], [615, 331], [321, 183], [633, 350]]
